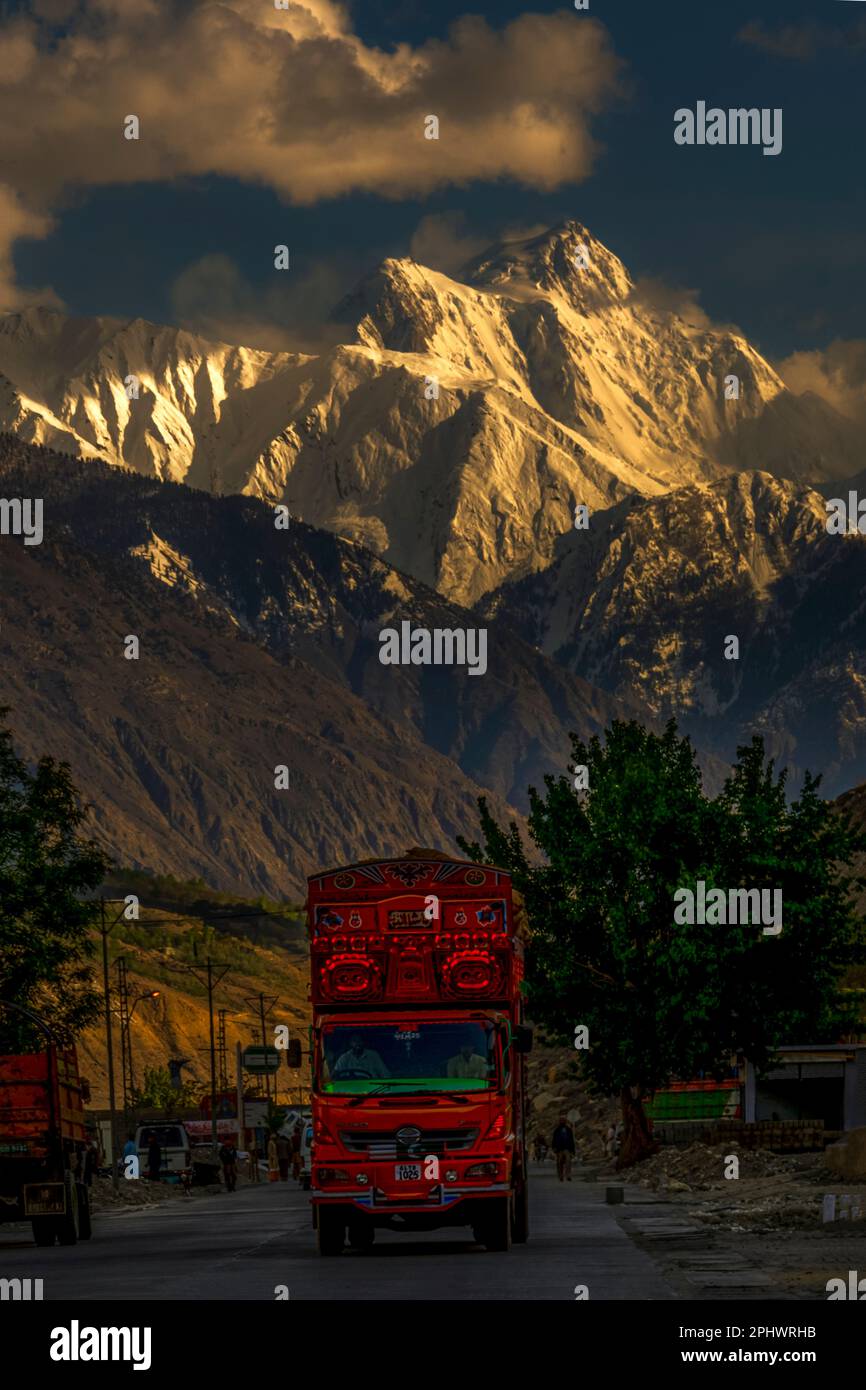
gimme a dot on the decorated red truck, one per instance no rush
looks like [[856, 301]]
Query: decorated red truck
[[42, 1144], [418, 1050]]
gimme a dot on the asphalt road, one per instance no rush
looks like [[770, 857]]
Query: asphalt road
[[243, 1245]]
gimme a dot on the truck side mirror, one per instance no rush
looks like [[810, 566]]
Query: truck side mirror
[[293, 1053], [522, 1038]]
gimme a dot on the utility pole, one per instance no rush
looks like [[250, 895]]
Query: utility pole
[[212, 982], [213, 1113], [222, 1053], [115, 1179], [125, 1058], [262, 1012]]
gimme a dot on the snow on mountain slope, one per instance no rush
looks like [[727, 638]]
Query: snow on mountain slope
[[642, 604], [458, 428]]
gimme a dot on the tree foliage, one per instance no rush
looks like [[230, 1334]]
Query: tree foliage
[[157, 1091], [663, 999], [45, 927]]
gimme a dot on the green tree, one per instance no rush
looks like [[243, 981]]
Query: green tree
[[661, 998], [157, 1091], [45, 928]]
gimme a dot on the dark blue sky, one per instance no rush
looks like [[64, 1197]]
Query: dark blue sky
[[774, 244]]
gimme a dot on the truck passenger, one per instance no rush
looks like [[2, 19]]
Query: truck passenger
[[467, 1063]]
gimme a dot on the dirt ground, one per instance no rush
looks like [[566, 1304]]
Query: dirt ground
[[771, 1216]]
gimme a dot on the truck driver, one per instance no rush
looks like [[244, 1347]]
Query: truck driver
[[361, 1060]]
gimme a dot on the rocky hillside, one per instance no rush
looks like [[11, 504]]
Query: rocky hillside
[[166, 951], [458, 424], [258, 648], [642, 603]]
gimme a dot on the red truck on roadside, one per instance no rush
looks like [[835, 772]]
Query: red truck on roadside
[[418, 1051], [42, 1145]]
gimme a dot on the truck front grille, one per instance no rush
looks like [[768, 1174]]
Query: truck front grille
[[385, 1144]]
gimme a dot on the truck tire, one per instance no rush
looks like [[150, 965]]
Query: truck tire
[[361, 1235], [520, 1232], [44, 1229], [495, 1230], [67, 1226], [85, 1227], [330, 1231]]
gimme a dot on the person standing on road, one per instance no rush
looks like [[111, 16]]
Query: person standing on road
[[273, 1160], [562, 1143], [229, 1161], [154, 1158], [284, 1150], [253, 1158]]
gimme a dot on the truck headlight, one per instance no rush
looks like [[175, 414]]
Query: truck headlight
[[482, 1170]]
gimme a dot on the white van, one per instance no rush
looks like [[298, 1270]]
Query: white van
[[174, 1142]]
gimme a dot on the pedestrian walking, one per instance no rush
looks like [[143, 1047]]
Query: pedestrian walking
[[297, 1155], [284, 1153], [228, 1157], [253, 1158], [273, 1160], [90, 1161], [562, 1143]]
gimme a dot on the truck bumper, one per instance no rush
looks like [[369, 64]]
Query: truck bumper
[[377, 1202]]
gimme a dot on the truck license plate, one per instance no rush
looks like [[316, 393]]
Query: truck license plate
[[407, 1172]]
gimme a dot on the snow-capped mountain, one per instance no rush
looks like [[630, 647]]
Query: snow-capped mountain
[[644, 602], [459, 424]]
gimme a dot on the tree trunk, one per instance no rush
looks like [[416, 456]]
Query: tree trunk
[[637, 1141]]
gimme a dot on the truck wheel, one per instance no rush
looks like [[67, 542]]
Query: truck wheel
[[67, 1226], [361, 1235], [44, 1230], [496, 1225], [85, 1228], [330, 1231], [520, 1233]]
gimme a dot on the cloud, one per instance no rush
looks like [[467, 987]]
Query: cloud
[[16, 222], [837, 373], [802, 42], [662, 298], [292, 99], [213, 298], [440, 242]]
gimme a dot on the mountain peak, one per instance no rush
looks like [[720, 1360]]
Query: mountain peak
[[565, 261]]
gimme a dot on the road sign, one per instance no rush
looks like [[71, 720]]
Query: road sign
[[261, 1060]]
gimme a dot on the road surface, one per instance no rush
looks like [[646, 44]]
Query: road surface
[[244, 1245]]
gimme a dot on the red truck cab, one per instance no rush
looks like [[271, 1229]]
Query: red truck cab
[[418, 1051]]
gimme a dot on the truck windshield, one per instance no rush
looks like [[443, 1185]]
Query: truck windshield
[[407, 1057]]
